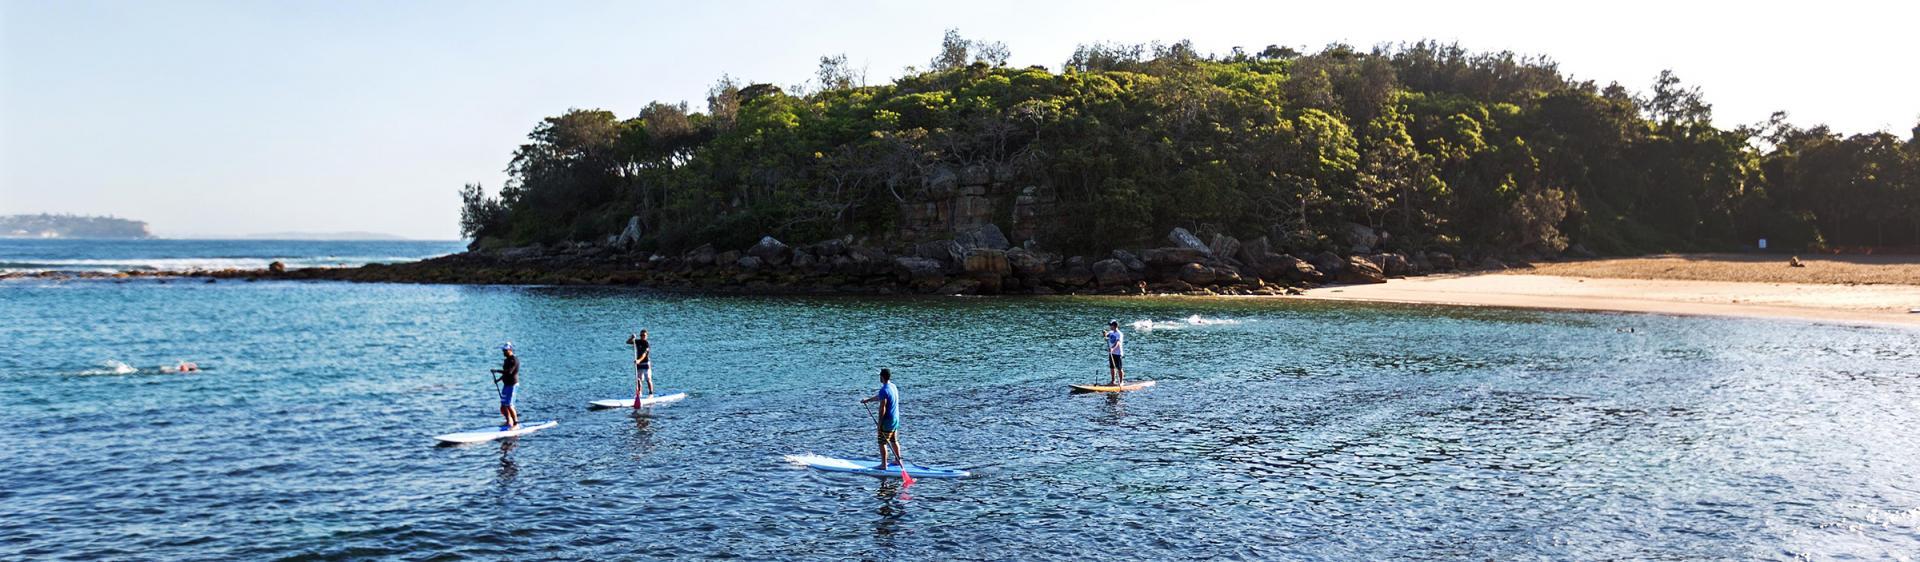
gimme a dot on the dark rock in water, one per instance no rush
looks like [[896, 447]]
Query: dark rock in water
[[771, 251], [1111, 272], [277, 267], [1128, 259], [1181, 238], [1026, 263], [1328, 263], [1224, 247], [983, 262], [1196, 274], [984, 236], [1359, 270], [1171, 257]]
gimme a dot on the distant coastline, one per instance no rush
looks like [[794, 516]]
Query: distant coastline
[[46, 225]]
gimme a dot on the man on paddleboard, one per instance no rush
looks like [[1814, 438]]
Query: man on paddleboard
[[1116, 350], [642, 365], [889, 419], [509, 372]]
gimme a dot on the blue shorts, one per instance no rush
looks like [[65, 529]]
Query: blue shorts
[[506, 395]]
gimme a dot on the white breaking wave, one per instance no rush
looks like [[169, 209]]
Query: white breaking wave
[[112, 368], [1188, 322]]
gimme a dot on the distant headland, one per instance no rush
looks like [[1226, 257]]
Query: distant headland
[[70, 226]]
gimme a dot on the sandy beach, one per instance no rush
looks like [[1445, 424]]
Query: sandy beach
[[1851, 290]]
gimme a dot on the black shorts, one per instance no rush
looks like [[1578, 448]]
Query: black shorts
[[1114, 362]]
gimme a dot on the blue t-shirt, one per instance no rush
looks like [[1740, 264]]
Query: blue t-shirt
[[1116, 343], [890, 405]]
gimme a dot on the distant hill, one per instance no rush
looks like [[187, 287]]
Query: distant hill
[[70, 226]]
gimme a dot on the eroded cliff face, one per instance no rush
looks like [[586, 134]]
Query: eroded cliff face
[[953, 201]]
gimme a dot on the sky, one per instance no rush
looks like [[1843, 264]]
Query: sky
[[236, 118]]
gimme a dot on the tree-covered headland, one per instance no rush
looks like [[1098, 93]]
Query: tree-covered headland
[[1437, 147]]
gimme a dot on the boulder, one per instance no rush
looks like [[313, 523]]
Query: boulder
[[985, 263], [1254, 252], [920, 271], [1183, 239], [1128, 259], [1441, 261], [277, 267], [1359, 270], [627, 237], [1491, 264], [947, 252], [1196, 274], [831, 248], [983, 236], [1285, 267], [771, 252], [1026, 263], [1227, 275], [1328, 263], [803, 259], [750, 263], [1171, 257], [702, 255], [1392, 264], [1223, 246], [1112, 272], [727, 257], [1361, 238]]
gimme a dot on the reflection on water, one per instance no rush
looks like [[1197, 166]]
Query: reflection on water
[[1277, 430]]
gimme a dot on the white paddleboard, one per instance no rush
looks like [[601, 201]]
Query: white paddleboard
[[628, 402], [496, 432], [871, 467]]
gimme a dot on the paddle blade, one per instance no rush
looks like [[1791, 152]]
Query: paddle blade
[[905, 479]]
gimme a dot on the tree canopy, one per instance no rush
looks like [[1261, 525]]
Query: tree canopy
[[1440, 146]]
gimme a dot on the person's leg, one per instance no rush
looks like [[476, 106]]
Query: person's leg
[[1119, 370], [893, 437], [639, 382], [646, 374], [883, 449], [1113, 369]]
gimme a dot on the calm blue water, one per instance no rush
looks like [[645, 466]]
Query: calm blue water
[[32, 255], [1280, 429]]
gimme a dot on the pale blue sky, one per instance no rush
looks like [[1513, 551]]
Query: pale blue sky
[[243, 117]]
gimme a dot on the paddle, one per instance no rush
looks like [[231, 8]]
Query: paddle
[[905, 479]]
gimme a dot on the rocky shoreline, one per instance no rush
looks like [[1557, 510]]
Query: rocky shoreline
[[977, 261]]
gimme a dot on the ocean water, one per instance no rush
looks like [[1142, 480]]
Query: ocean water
[[1279, 429], [73, 255]]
